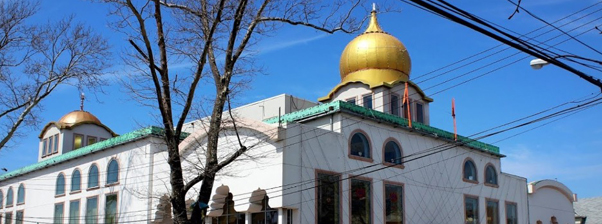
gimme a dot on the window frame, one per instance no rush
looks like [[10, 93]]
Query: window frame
[[416, 103], [403, 197], [83, 144], [56, 185], [17, 221], [385, 161], [95, 216], [45, 148], [340, 191], [62, 215], [88, 137], [116, 182], [79, 211], [356, 157], [21, 186], [399, 106], [371, 100], [116, 207], [10, 194], [497, 204], [1, 199], [369, 200], [56, 143], [478, 213], [72, 182], [354, 99], [8, 217], [88, 187], [485, 176], [476, 173], [515, 211]]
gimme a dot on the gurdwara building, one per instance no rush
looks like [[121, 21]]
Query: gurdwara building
[[365, 153]]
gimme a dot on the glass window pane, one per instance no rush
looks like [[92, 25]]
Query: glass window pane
[[21, 194], [328, 198], [56, 142], [1, 199], [9, 218], [9, 197], [492, 212], [394, 105], [351, 100], [471, 210], [361, 201], [113, 172], [111, 209], [78, 141], [491, 176], [60, 185], [76, 180], [74, 212], [93, 177], [91, 210], [419, 113], [19, 218], [511, 216], [392, 153], [393, 204], [44, 147], [470, 172], [58, 213], [360, 146], [91, 140], [367, 101], [51, 144]]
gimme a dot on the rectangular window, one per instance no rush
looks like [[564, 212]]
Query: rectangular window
[[8, 219], [367, 101], [361, 198], [328, 198], [511, 215], [50, 144], [493, 212], [58, 213], [91, 140], [111, 209], [351, 100], [91, 210], [56, 143], [394, 105], [44, 146], [393, 204], [78, 141], [74, 212], [289, 216], [471, 205], [419, 113], [19, 218]]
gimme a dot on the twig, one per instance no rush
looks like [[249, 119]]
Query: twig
[[515, 10]]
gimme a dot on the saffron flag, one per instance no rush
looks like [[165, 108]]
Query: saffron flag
[[454, 116], [406, 101]]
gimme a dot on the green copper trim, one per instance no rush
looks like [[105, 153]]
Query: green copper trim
[[99, 146], [337, 106]]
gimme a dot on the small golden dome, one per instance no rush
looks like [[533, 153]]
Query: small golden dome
[[78, 117], [375, 58]]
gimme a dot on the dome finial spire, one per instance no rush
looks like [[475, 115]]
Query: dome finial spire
[[81, 105], [373, 26]]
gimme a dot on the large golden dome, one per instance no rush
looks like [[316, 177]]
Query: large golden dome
[[375, 58], [78, 117]]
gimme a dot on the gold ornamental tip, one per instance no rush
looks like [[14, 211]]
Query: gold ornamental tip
[[373, 26]]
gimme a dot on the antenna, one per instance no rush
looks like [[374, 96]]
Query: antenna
[[81, 105], [374, 7]]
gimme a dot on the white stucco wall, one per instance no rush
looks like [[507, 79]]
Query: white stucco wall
[[550, 198]]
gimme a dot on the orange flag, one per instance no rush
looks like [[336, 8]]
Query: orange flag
[[406, 101], [454, 116]]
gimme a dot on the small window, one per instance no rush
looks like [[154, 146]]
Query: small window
[[9, 197], [60, 185], [113, 172], [490, 175], [76, 181], [21, 194], [56, 143], [111, 209], [361, 201], [59, 210], [470, 171], [91, 140], [44, 147], [92, 210], [393, 204], [511, 215], [419, 112], [392, 153], [78, 141], [93, 176], [493, 212], [367, 101], [289, 216], [394, 105], [74, 212], [19, 217], [351, 100], [359, 145], [471, 210], [50, 144]]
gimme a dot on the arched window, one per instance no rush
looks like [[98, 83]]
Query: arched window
[[490, 175], [470, 170], [93, 176], [60, 185], [9, 197], [392, 153], [112, 172], [76, 181], [359, 145], [21, 194]]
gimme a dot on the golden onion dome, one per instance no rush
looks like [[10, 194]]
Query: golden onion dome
[[375, 58], [79, 117]]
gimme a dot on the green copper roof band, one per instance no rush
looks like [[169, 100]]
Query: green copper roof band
[[416, 126], [85, 150]]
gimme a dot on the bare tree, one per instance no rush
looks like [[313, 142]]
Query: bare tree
[[213, 38], [35, 59]]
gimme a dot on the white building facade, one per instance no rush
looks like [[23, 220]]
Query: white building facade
[[364, 154]]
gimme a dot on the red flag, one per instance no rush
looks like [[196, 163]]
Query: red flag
[[454, 116], [406, 100]]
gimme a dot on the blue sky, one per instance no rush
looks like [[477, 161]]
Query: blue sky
[[304, 63]]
